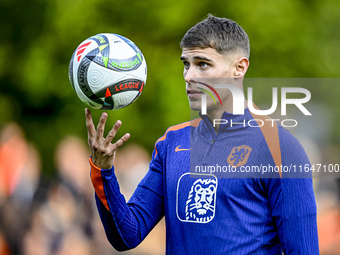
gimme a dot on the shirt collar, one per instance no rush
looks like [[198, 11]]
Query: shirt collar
[[228, 123]]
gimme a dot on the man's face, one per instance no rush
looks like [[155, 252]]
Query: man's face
[[205, 63]]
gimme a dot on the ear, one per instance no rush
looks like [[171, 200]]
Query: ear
[[241, 67]]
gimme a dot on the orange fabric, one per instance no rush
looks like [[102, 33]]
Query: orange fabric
[[193, 123], [97, 182], [271, 135]]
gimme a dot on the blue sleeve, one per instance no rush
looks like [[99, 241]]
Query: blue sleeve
[[292, 202], [127, 224]]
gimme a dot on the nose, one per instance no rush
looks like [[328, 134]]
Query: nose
[[189, 74]]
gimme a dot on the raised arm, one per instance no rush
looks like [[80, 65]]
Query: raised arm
[[125, 224]]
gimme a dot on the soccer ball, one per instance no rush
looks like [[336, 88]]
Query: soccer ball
[[107, 71]]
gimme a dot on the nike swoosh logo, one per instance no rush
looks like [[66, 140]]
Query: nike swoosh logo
[[178, 149]]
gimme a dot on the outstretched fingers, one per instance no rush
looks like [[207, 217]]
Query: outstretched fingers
[[121, 141], [102, 149], [101, 128], [112, 132], [91, 131]]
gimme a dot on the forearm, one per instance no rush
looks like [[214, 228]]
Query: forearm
[[120, 224], [113, 233], [126, 224]]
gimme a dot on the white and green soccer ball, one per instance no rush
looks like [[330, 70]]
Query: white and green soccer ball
[[107, 71]]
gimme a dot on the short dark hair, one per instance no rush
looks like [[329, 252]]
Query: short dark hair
[[223, 35]]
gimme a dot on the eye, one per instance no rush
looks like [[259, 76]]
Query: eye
[[203, 64], [186, 64]]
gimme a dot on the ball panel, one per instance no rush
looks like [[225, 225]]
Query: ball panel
[[83, 82], [108, 102], [122, 86], [125, 98], [87, 100], [132, 45], [70, 71], [127, 64], [83, 49], [103, 47], [140, 73], [109, 78]]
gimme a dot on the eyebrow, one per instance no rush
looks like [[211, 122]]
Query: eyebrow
[[197, 58]]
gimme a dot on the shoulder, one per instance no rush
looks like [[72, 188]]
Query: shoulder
[[287, 138], [178, 130], [291, 148], [175, 133]]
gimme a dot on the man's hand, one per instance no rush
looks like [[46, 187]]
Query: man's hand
[[102, 150]]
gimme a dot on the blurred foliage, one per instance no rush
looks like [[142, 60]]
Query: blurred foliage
[[291, 38]]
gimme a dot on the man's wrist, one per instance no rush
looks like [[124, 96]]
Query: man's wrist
[[98, 167]]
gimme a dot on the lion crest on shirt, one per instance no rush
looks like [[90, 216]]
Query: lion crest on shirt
[[200, 206], [239, 155]]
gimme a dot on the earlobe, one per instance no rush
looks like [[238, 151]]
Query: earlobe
[[241, 67]]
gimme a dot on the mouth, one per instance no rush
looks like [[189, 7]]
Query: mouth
[[194, 93]]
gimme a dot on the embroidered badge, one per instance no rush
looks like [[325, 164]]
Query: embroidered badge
[[239, 155], [196, 198]]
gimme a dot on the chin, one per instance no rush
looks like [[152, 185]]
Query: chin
[[195, 106]]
